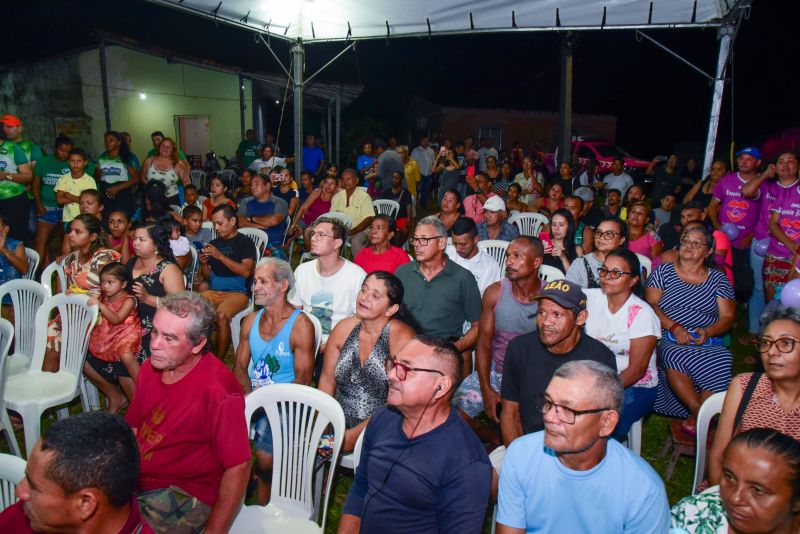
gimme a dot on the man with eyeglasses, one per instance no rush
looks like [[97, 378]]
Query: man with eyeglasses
[[531, 359], [327, 287], [421, 469], [609, 235], [439, 293], [571, 477]]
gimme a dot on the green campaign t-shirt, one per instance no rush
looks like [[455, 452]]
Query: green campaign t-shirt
[[248, 152], [11, 156], [112, 170], [34, 154], [50, 169]]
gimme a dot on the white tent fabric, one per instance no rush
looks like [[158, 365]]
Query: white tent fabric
[[331, 20]]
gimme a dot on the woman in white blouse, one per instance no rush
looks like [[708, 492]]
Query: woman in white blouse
[[626, 324]]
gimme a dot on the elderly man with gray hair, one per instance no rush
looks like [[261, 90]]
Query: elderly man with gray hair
[[439, 293], [571, 477], [276, 347], [188, 417]]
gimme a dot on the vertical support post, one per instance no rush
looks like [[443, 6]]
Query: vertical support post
[[104, 83], [241, 105], [725, 37], [298, 61], [565, 111], [338, 124], [330, 132]]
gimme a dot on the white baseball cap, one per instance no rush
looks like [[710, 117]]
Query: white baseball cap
[[494, 203]]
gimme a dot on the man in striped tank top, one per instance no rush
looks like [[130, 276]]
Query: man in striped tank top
[[508, 309]]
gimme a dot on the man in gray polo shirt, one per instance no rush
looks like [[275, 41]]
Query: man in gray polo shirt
[[440, 294]]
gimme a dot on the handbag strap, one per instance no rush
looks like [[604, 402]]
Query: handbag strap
[[746, 396]]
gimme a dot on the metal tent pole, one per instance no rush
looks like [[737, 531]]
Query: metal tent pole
[[298, 60], [565, 111], [241, 105], [725, 37], [338, 125], [330, 130]]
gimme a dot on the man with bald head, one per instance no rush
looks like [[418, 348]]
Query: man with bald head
[[571, 477], [422, 469]]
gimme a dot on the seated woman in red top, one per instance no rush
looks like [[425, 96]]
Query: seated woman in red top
[[381, 254]]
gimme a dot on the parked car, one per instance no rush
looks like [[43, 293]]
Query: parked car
[[604, 152]]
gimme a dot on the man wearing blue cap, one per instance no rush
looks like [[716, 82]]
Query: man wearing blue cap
[[731, 209], [531, 359]]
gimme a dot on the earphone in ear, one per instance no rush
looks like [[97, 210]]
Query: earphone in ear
[[438, 388]]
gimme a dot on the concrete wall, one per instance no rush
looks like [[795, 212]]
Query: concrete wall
[[171, 89]]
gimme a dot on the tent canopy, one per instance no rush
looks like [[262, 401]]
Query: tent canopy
[[336, 20]]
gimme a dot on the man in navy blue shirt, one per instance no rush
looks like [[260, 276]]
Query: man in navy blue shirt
[[422, 468]]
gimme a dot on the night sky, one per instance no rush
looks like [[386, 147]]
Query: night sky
[[659, 101]]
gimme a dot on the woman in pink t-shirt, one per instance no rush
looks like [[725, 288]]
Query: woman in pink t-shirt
[[784, 227], [640, 239]]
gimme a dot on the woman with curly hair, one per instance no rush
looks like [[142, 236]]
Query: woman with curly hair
[[168, 168]]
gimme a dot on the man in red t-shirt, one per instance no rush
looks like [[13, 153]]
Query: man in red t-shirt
[[188, 415], [80, 477]]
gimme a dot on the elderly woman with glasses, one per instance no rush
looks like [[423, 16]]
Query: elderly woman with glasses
[[769, 399], [695, 303], [621, 320]]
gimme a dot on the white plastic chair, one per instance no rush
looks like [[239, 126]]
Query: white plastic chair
[[711, 407], [386, 207], [528, 223], [212, 228], [56, 269], [548, 273], [317, 331], [33, 263], [194, 265], [298, 416], [6, 335], [496, 248], [198, 178], [27, 297], [229, 176], [259, 238], [646, 265], [343, 218], [33, 392], [635, 437], [351, 461], [12, 471]]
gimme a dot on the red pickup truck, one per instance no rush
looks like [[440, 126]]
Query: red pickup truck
[[602, 151]]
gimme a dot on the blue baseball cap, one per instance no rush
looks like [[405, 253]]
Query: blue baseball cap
[[749, 151]]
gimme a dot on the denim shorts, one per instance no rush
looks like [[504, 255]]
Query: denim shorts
[[263, 432], [52, 215]]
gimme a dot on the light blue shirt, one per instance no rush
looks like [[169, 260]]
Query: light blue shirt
[[620, 494]]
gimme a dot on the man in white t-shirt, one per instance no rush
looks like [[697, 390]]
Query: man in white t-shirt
[[268, 161], [465, 252], [618, 178], [327, 287]]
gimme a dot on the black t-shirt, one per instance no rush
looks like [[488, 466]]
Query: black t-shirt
[[593, 217], [237, 248], [529, 366], [664, 184], [403, 198]]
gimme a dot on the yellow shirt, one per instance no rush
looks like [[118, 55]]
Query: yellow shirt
[[358, 208], [74, 186], [413, 176]]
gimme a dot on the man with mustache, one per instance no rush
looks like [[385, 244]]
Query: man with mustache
[[508, 309], [531, 359], [572, 477], [421, 468]]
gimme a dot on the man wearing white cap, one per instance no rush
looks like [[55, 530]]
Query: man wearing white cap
[[494, 225]]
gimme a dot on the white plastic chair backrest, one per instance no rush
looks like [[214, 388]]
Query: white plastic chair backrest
[[6, 336], [259, 238], [12, 471], [711, 407], [528, 223], [496, 248], [78, 319], [210, 226], [27, 297], [357, 450], [298, 416], [548, 273], [386, 207], [646, 265], [193, 265], [343, 218], [317, 331], [47, 278], [198, 178], [33, 263], [229, 176]]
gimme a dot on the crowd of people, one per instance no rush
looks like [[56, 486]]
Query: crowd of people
[[638, 321]]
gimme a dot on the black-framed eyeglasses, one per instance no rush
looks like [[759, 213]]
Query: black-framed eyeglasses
[[783, 344], [565, 414], [401, 369], [608, 234], [613, 274], [424, 240]]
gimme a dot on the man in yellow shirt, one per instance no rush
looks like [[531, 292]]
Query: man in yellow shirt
[[356, 203], [411, 169]]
